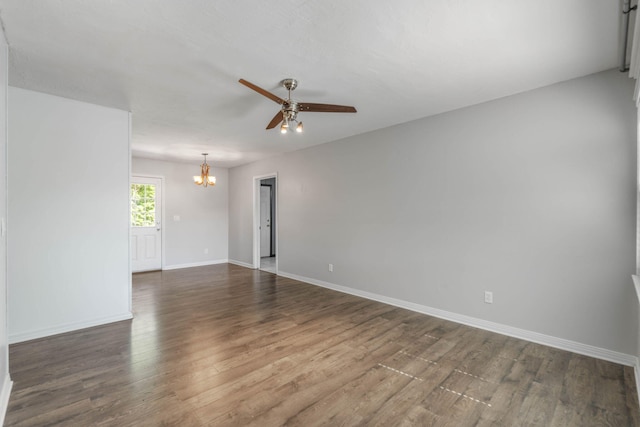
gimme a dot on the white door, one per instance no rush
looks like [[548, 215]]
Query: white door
[[146, 223], [265, 220]]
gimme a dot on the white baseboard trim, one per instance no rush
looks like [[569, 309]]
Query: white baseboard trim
[[560, 343], [195, 264], [68, 327], [4, 397], [241, 264]]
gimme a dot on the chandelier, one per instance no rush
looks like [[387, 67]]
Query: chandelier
[[204, 179]]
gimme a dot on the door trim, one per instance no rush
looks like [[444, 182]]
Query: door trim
[[162, 203], [271, 216], [256, 218]]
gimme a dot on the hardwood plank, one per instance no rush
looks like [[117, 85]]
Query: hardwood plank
[[226, 345]]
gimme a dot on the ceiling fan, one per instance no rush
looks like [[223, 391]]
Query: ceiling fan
[[289, 108]]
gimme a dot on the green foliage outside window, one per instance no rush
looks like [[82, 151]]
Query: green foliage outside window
[[143, 205]]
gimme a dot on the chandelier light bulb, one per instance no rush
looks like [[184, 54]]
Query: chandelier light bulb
[[284, 128]]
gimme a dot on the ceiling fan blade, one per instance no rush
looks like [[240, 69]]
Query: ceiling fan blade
[[275, 121], [261, 91], [326, 108]]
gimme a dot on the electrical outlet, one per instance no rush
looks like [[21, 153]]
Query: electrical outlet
[[206, 250], [488, 297], [331, 268]]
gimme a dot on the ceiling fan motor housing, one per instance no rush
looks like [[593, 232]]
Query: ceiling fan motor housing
[[290, 106]]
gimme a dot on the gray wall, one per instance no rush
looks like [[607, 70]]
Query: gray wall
[[203, 212], [530, 196], [69, 215]]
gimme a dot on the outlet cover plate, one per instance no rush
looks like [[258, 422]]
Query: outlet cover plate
[[488, 297]]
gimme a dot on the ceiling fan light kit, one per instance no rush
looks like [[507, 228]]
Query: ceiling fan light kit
[[289, 109], [290, 117]]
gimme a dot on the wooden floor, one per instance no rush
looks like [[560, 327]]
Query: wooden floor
[[224, 345]]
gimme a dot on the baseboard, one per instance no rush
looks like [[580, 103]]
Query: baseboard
[[68, 327], [195, 264], [560, 343], [4, 397], [240, 263]]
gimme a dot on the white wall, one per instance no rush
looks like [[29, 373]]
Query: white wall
[[203, 212], [68, 215], [531, 196], [5, 379]]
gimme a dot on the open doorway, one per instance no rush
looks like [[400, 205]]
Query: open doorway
[[265, 220]]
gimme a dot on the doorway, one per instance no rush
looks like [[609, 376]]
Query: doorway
[[265, 221], [146, 223]]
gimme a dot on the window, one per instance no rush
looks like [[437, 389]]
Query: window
[[143, 205]]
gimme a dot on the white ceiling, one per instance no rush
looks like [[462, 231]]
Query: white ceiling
[[175, 64]]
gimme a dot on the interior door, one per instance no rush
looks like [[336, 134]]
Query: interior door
[[265, 220], [146, 224]]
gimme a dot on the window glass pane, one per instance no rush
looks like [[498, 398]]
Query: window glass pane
[[135, 191], [143, 205]]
